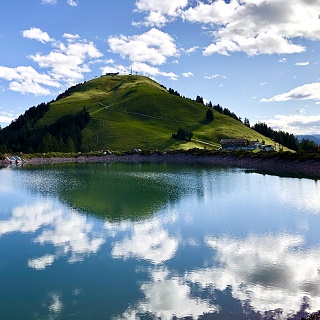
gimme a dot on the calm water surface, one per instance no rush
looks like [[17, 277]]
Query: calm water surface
[[157, 241]]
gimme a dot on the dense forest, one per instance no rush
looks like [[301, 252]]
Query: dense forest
[[64, 135]]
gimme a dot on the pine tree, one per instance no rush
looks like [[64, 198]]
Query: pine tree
[[209, 115], [70, 145]]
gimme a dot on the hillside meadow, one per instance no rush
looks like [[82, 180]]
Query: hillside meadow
[[136, 112]]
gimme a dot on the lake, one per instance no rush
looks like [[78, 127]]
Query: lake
[[157, 241]]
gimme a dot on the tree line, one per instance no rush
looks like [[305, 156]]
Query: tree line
[[21, 132], [29, 119], [284, 138], [70, 90], [64, 135]]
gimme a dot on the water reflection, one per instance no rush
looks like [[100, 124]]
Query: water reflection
[[269, 272], [55, 303], [147, 240], [29, 217], [270, 276], [166, 296], [216, 244], [70, 233], [113, 191], [42, 262], [299, 196], [119, 191]]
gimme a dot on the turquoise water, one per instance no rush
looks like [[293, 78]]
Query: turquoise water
[[157, 241]]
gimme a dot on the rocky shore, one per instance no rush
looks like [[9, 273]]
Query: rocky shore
[[282, 167], [314, 316]]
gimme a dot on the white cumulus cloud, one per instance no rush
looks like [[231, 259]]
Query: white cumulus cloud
[[50, 2], [257, 27], [214, 76], [187, 74], [141, 68], [72, 3], [27, 80], [153, 47], [68, 62], [302, 63], [6, 118], [295, 123], [159, 11], [37, 34], [309, 91], [152, 71], [65, 63], [71, 37], [190, 50]]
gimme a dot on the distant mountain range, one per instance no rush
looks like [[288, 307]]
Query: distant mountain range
[[314, 137]]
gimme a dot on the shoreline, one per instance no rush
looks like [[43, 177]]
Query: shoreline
[[276, 166]]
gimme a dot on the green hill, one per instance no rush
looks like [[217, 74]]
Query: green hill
[[130, 111]]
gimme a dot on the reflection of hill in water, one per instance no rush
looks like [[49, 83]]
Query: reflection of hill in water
[[115, 190], [119, 191]]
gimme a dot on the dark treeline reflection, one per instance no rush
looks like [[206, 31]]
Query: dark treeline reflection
[[118, 190]]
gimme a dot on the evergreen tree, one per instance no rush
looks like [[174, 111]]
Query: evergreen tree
[[209, 115], [218, 108], [308, 145], [70, 145], [174, 92], [46, 143], [183, 134], [55, 144], [199, 99]]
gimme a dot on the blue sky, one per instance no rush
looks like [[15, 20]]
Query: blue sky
[[258, 58]]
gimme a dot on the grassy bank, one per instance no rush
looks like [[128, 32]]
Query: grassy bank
[[285, 155]]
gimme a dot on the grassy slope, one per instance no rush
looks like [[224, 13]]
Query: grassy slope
[[118, 128]]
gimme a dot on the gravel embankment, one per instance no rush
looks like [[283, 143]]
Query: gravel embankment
[[314, 316], [307, 168]]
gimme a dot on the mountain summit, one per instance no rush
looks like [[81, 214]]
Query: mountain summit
[[120, 112]]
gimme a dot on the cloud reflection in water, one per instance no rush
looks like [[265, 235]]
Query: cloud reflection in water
[[74, 235], [71, 234], [147, 240], [269, 272], [166, 296], [303, 195]]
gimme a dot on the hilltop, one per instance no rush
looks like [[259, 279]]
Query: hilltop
[[123, 112]]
